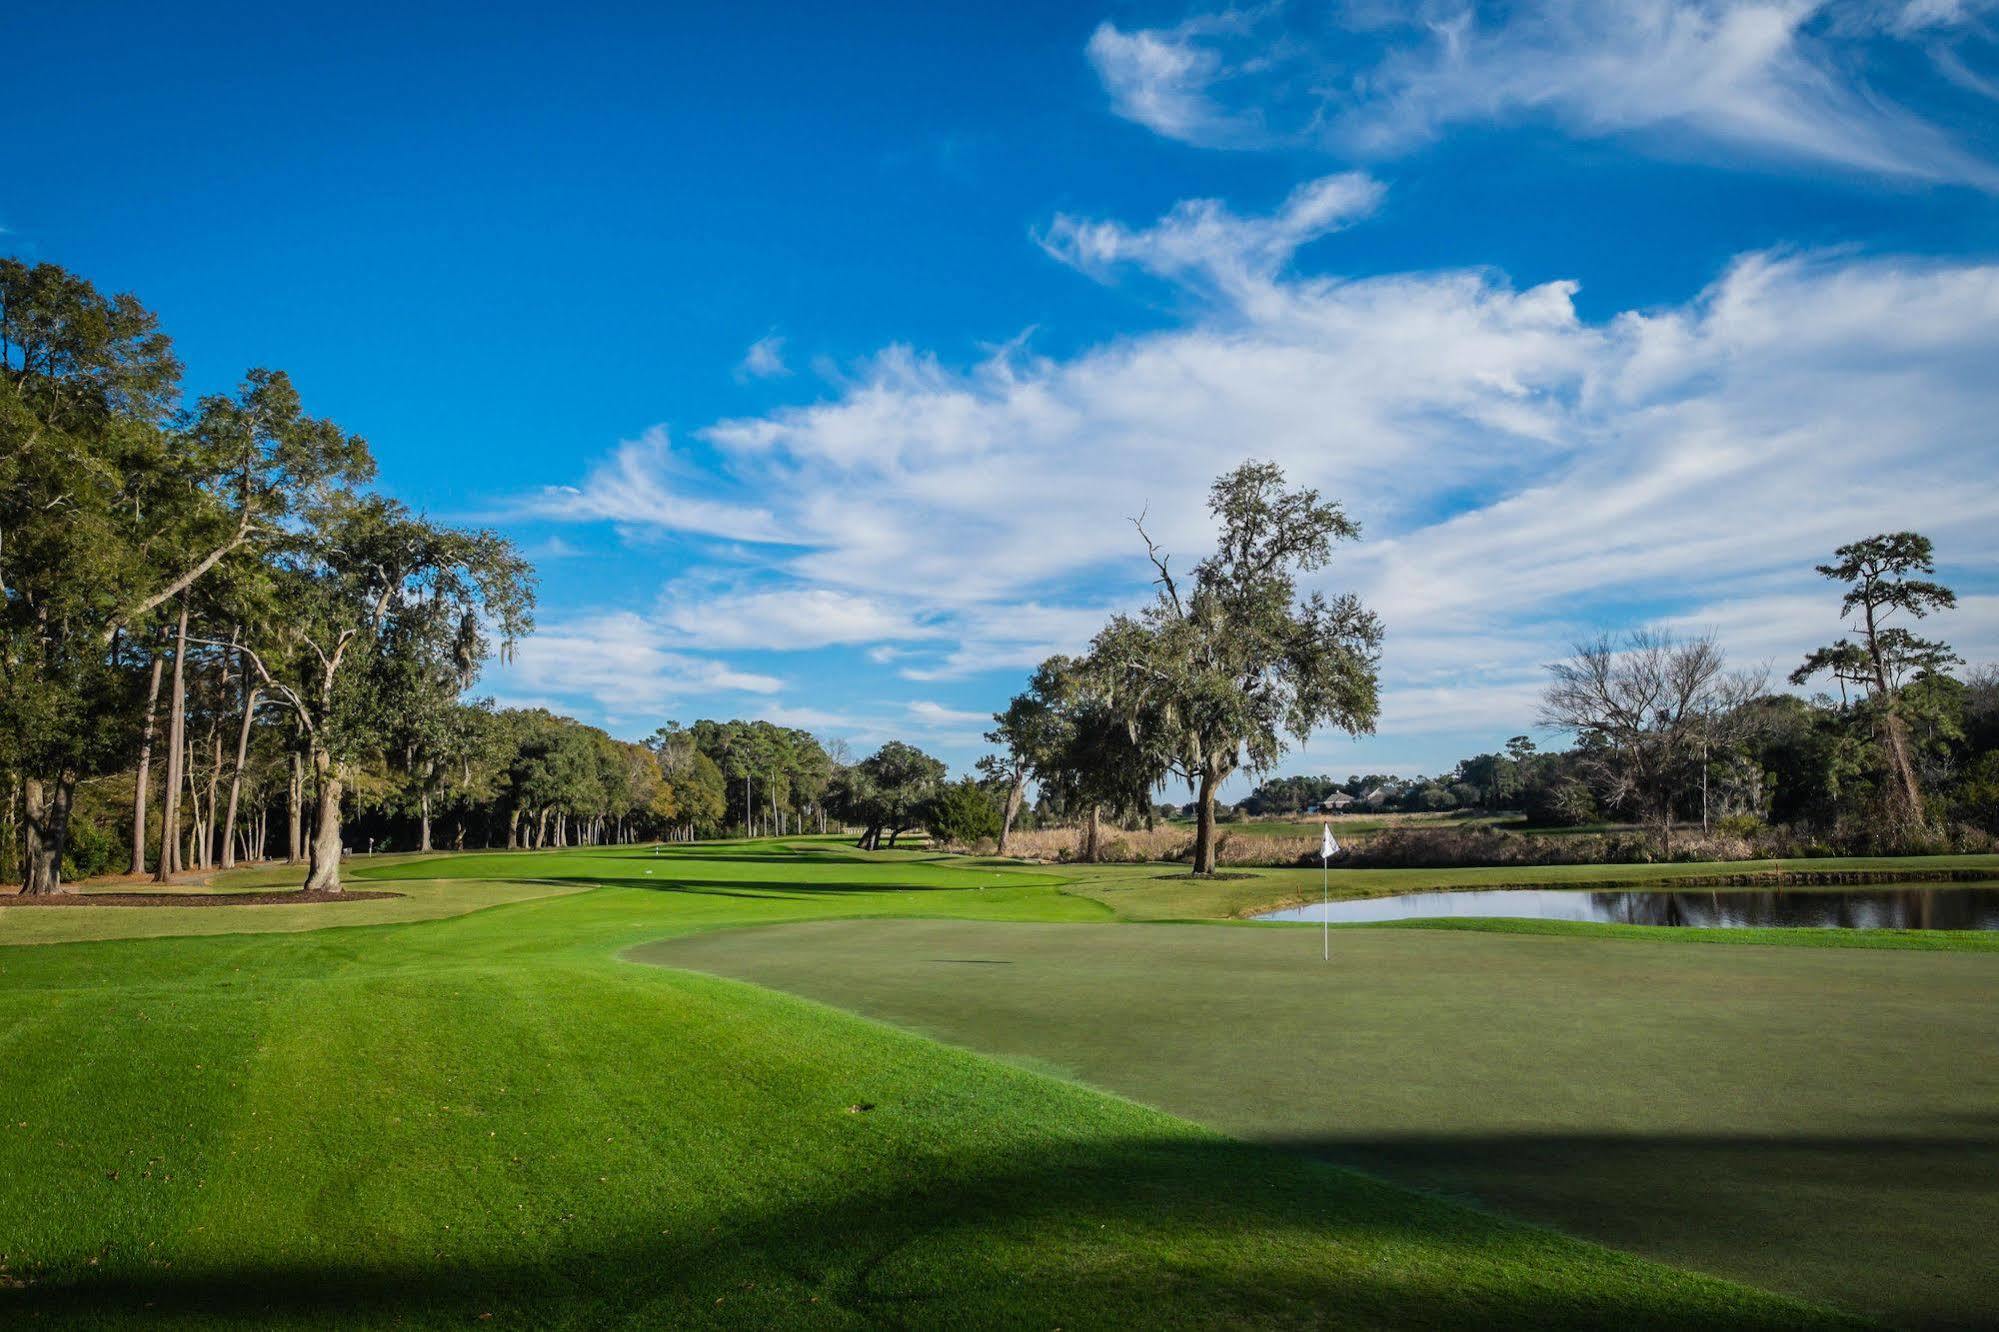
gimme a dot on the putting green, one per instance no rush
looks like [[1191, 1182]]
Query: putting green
[[1821, 1122]]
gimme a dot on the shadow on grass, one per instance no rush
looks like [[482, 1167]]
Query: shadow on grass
[[1902, 1225], [1192, 1232]]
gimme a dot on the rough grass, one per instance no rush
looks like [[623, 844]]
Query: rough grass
[[425, 1123]]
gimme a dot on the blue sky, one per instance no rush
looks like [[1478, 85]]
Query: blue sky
[[819, 354]]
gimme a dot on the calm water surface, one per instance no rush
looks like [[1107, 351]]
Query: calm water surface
[[1902, 907]]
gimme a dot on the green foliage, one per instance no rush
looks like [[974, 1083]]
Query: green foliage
[[1882, 582], [762, 773], [1227, 672], [887, 792], [964, 813]]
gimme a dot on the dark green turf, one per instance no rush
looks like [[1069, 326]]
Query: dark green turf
[[1818, 1121], [423, 1124]]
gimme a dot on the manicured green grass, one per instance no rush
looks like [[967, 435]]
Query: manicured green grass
[[1811, 1121], [422, 1121]]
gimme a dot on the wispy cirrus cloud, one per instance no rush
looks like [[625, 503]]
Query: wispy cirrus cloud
[[1166, 78], [1729, 80], [1525, 475], [763, 360], [788, 617], [643, 484], [618, 662], [1201, 242]]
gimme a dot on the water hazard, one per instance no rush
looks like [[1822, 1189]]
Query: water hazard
[[1903, 907]]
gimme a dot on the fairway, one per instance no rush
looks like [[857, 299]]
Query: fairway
[[428, 1122], [1817, 1121]]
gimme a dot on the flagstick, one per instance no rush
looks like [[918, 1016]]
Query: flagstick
[[1325, 912]]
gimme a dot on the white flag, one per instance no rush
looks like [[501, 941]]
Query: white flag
[[1328, 848]]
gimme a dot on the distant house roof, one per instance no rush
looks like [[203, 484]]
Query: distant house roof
[[1337, 800]]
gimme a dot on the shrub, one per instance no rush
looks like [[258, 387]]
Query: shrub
[[1742, 826], [91, 849], [964, 814]]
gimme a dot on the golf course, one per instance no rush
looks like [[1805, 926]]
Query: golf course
[[748, 1082]]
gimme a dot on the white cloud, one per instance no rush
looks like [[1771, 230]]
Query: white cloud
[[1721, 78], [763, 360], [1161, 78], [1525, 475], [618, 663], [788, 618], [642, 484], [1202, 240], [553, 548], [1910, 17], [925, 712]]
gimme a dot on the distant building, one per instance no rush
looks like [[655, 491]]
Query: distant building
[[1336, 803]]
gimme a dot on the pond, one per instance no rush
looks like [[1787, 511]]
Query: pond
[[1903, 907]]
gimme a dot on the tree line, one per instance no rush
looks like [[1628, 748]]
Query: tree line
[[1897, 751], [173, 575], [220, 643]]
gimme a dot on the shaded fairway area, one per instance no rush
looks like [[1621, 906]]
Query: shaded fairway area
[[489, 1118], [1824, 1122]]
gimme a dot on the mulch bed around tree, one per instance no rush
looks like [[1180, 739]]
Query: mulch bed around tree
[[282, 898]]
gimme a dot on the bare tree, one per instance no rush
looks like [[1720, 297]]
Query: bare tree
[[1645, 713]]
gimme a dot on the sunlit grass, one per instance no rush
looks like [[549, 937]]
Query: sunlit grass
[[425, 1122]]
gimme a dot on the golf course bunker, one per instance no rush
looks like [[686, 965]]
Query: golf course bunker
[[1823, 1122], [1916, 907]]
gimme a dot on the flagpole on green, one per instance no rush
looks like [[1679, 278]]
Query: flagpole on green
[[1327, 846]]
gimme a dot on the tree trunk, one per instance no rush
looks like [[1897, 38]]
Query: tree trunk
[[176, 734], [423, 821], [514, 830], [193, 857], [236, 774], [1204, 825], [1908, 792], [295, 812], [1894, 735], [45, 826], [141, 788], [1014, 795], [323, 874], [213, 831]]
